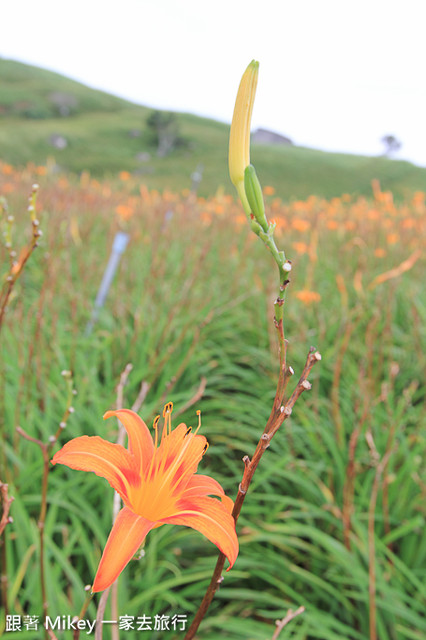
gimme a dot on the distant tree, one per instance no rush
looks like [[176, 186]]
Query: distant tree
[[392, 144], [165, 129]]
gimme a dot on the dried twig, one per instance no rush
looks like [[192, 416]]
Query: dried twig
[[282, 623], [117, 500], [145, 387], [6, 502], [17, 266], [89, 596], [46, 451], [100, 614], [195, 398], [5, 520], [280, 412], [406, 265]]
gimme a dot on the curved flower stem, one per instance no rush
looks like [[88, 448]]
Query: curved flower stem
[[89, 596], [280, 412], [101, 612], [46, 451]]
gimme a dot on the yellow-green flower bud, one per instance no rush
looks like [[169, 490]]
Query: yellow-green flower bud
[[255, 196], [239, 138]]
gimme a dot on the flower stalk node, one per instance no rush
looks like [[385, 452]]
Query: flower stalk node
[[241, 490]]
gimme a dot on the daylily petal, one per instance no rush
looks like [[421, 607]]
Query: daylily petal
[[127, 534], [209, 517], [110, 461], [140, 439], [200, 485]]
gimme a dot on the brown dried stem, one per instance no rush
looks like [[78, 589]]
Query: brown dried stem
[[6, 502], [101, 612], [145, 387], [195, 398], [46, 451], [5, 520], [17, 266], [117, 501], [280, 412], [89, 596], [282, 623]]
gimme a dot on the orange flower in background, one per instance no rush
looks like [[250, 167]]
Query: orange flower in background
[[158, 485], [124, 211], [307, 297], [268, 190], [8, 187], [379, 252], [7, 169], [300, 247], [299, 224]]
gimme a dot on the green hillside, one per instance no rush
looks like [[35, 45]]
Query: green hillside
[[105, 134]]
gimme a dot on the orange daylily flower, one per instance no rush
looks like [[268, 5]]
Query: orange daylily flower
[[306, 296], [158, 484]]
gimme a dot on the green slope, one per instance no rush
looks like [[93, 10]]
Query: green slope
[[36, 104]]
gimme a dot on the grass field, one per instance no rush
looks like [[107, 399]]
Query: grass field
[[334, 520], [98, 130]]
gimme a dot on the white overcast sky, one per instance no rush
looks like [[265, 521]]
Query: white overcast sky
[[334, 74]]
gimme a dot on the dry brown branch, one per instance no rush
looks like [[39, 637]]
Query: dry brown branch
[[46, 450], [282, 623], [280, 412], [100, 614], [17, 266], [89, 596], [195, 398], [406, 265], [120, 390], [145, 387], [6, 502], [117, 500], [5, 520]]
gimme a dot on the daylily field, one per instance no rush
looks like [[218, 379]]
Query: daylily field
[[334, 518]]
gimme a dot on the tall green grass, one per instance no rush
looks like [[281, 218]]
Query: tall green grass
[[193, 300]]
